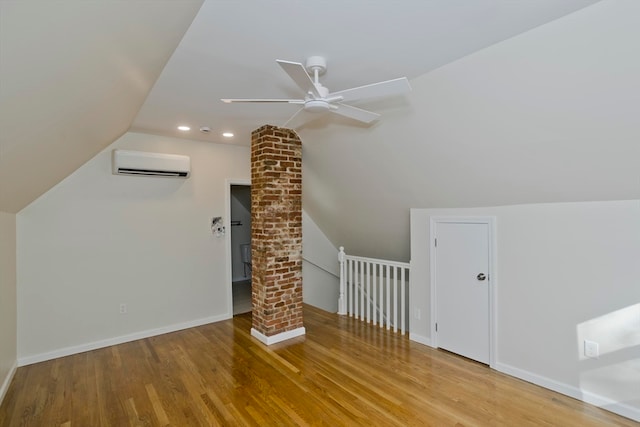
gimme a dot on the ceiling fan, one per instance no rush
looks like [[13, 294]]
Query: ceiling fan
[[318, 99]]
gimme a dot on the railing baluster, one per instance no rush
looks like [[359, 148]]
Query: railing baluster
[[388, 311], [362, 280], [374, 290], [350, 287], [374, 280], [354, 286], [345, 279], [355, 289], [381, 286], [367, 310], [402, 298], [361, 291], [395, 299]]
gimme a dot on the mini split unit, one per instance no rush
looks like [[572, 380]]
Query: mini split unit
[[142, 163]]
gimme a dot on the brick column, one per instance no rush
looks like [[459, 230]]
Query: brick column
[[276, 234]]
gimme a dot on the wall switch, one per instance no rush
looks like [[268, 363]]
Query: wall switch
[[416, 313], [123, 308], [591, 349]]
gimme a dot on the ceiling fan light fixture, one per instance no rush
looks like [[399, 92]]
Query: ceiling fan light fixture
[[316, 105]]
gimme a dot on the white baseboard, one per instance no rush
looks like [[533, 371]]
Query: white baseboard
[[279, 337], [571, 391], [420, 339], [7, 380], [67, 351]]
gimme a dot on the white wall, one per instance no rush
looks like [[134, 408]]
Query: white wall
[[566, 272], [320, 269], [97, 240], [8, 342]]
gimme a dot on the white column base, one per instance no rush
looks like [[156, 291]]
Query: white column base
[[279, 337]]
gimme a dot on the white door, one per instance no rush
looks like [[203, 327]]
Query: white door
[[462, 288]]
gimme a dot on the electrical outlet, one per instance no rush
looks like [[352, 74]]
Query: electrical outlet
[[416, 313], [591, 349], [123, 308]]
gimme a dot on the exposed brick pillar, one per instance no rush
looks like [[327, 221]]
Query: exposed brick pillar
[[276, 234]]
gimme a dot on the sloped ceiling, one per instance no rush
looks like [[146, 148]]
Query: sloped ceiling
[[73, 75], [513, 102], [551, 115], [230, 51]]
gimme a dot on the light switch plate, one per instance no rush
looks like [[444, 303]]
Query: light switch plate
[[591, 349]]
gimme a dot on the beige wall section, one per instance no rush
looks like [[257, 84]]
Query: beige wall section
[[320, 269], [97, 240], [7, 299], [565, 272]]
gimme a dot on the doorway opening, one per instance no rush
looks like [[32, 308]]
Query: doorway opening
[[240, 246]]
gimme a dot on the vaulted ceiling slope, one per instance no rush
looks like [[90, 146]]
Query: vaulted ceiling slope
[[73, 75], [551, 115], [513, 102], [230, 51]]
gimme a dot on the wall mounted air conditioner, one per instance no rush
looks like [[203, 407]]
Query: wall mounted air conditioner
[[127, 162]]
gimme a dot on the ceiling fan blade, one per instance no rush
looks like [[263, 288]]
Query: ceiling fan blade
[[300, 118], [297, 72], [355, 113], [375, 90], [289, 101]]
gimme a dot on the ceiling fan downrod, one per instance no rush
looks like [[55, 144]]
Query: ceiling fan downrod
[[316, 65]]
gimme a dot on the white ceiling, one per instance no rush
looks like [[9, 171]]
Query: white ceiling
[[231, 48]]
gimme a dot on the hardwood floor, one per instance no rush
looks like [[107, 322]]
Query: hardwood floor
[[342, 373]]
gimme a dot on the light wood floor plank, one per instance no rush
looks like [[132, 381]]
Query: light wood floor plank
[[341, 373], [158, 408]]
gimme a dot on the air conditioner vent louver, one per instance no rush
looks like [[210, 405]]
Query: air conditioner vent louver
[[125, 171], [140, 163]]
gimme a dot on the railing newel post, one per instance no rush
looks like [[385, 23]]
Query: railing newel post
[[342, 306]]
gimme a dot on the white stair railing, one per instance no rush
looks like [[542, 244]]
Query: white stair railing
[[374, 290]]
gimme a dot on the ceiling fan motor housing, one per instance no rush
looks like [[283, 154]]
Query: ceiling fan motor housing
[[318, 63]]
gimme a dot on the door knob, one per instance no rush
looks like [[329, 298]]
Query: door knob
[[481, 276]]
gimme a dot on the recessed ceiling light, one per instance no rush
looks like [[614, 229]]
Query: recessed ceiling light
[[184, 128], [227, 134]]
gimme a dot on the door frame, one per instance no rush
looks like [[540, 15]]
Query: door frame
[[490, 221], [227, 236]]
